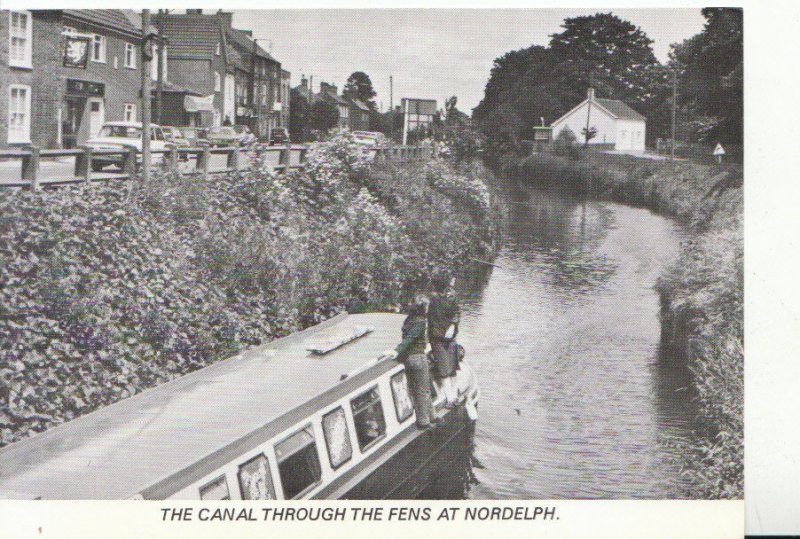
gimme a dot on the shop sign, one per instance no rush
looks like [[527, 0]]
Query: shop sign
[[85, 88]]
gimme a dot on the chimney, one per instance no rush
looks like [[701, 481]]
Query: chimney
[[304, 83], [226, 17], [590, 94], [194, 11], [325, 88]]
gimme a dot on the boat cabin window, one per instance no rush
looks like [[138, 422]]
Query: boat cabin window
[[402, 400], [298, 463], [255, 480], [215, 490], [368, 418], [337, 438]]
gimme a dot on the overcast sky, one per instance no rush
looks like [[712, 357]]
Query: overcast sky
[[431, 53]]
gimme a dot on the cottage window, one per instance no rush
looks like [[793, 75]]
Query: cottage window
[[20, 39], [217, 82], [19, 114], [130, 55], [98, 48], [130, 112]]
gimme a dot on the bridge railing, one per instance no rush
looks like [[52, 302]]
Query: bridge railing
[[34, 162]]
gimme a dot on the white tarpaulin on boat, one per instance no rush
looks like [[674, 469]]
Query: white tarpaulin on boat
[[198, 104]]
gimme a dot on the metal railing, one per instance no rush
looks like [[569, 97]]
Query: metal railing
[[128, 160]]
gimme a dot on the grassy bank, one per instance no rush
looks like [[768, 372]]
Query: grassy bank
[[108, 290], [701, 295]]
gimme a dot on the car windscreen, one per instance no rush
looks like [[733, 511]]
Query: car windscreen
[[121, 131]]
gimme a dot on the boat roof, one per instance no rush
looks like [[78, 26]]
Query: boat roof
[[122, 449]]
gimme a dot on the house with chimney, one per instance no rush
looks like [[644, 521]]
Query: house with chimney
[[330, 93], [615, 124], [207, 54]]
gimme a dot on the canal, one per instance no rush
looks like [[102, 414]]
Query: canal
[[577, 399]]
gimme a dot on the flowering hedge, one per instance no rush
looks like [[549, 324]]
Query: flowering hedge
[[108, 290]]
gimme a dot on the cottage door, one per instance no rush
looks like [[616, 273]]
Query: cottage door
[[97, 115]]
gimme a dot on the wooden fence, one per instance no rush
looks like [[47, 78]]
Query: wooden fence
[[128, 160]]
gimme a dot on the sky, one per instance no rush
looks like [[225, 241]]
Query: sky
[[430, 53]]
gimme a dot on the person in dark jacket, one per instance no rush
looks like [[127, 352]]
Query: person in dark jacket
[[412, 349], [444, 316]]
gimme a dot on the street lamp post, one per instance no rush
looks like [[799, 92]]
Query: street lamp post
[[147, 57]]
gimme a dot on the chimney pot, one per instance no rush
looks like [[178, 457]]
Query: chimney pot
[[590, 93]]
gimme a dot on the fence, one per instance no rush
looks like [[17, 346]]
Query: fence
[[128, 159]]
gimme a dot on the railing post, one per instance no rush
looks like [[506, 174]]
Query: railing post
[[233, 159], [285, 157], [303, 152], [202, 161], [173, 159], [30, 167], [83, 165], [129, 161]]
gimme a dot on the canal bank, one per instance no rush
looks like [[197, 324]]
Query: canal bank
[[701, 293]]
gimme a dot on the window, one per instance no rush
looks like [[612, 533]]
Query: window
[[217, 82], [215, 490], [156, 134], [255, 481], [98, 48], [402, 399], [20, 35], [337, 438], [298, 463], [19, 113], [130, 55], [116, 63], [368, 417], [218, 50], [130, 112]]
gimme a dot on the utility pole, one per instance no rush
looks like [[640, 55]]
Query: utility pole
[[590, 95], [391, 93], [147, 56], [256, 84], [160, 75], [674, 110]]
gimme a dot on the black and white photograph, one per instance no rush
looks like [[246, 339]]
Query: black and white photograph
[[412, 254]]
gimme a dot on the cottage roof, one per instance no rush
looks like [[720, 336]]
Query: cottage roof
[[191, 35], [242, 41], [620, 109], [114, 19], [337, 99], [359, 104]]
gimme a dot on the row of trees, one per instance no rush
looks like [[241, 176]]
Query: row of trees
[[615, 57]]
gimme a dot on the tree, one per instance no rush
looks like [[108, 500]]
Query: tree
[[298, 116], [710, 83], [324, 115], [359, 86]]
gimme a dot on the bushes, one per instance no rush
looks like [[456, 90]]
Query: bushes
[[108, 290]]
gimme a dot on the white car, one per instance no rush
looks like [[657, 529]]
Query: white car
[[367, 138], [116, 135]]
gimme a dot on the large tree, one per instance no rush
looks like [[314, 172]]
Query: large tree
[[711, 79], [359, 86]]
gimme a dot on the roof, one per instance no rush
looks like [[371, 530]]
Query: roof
[[122, 449], [116, 19], [243, 40], [190, 34], [359, 104], [339, 100], [617, 109], [620, 109]]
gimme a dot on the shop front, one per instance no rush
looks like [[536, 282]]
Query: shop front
[[84, 111]]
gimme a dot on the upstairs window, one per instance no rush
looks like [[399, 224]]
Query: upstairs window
[[368, 418], [19, 114], [217, 82], [98, 48], [130, 55], [20, 34], [298, 463]]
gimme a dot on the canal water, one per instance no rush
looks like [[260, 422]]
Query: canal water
[[577, 400]]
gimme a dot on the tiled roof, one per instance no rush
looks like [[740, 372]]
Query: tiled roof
[[359, 104], [339, 100], [244, 43], [620, 109], [116, 19], [190, 34]]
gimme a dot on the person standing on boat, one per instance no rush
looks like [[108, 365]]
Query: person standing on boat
[[418, 368], [444, 316]]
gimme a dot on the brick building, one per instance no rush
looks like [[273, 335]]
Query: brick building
[[50, 104]]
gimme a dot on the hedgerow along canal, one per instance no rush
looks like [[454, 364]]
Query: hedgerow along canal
[[577, 400]]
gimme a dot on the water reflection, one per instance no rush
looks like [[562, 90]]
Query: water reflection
[[564, 337]]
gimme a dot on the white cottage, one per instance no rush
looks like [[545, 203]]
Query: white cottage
[[616, 123]]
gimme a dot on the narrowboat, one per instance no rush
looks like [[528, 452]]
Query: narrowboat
[[322, 413]]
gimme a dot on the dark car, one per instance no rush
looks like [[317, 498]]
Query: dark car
[[280, 135]]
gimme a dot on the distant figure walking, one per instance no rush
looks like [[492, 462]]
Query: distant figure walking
[[444, 316]]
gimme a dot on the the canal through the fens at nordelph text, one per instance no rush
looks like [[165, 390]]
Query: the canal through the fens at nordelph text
[[577, 401]]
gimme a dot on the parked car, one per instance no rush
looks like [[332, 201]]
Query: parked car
[[367, 138], [280, 135], [223, 136], [195, 135], [246, 137], [176, 137], [118, 135]]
